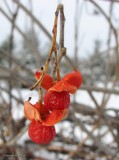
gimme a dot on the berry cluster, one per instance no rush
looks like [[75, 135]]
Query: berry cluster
[[53, 109]]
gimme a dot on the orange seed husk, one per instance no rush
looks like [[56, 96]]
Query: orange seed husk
[[47, 81], [55, 117], [73, 78], [40, 113], [63, 86], [31, 112]]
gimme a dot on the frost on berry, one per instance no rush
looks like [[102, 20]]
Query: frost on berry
[[57, 100], [47, 80], [40, 133]]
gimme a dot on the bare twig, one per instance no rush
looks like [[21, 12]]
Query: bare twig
[[52, 49], [33, 18], [114, 32], [22, 34], [99, 89], [19, 135], [11, 41]]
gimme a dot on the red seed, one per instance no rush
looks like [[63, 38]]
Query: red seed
[[41, 134], [57, 100]]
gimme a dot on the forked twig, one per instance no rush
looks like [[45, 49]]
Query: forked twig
[[52, 49]]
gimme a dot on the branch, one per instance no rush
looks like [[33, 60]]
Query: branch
[[33, 18], [99, 89], [30, 45]]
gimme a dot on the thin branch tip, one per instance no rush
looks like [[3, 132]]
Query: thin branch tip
[[29, 98], [31, 88], [60, 6]]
